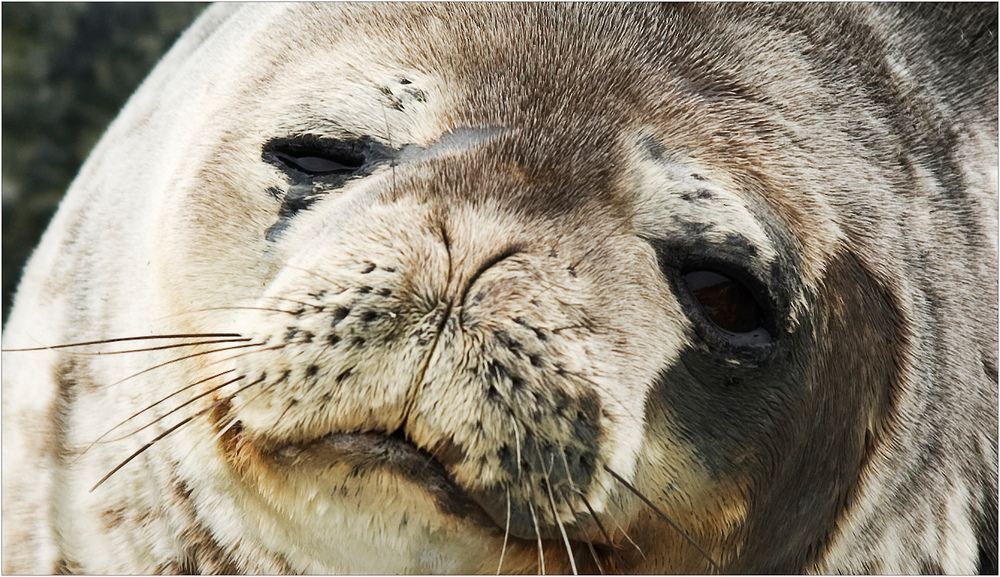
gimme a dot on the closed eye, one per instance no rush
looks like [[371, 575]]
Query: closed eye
[[315, 166], [311, 158], [319, 163]]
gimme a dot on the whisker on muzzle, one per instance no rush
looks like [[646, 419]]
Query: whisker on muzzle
[[184, 358], [172, 411], [665, 518], [177, 426], [150, 407], [607, 538], [133, 339]]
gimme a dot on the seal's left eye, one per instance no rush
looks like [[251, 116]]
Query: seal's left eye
[[729, 305]]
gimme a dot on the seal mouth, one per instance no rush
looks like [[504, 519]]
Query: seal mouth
[[370, 452]]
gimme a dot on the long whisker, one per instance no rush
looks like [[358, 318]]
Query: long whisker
[[160, 348], [517, 442], [167, 432], [506, 534], [593, 553], [573, 489], [607, 538], [233, 420], [315, 274], [538, 534], [215, 437], [235, 308], [245, 353], [586, 535], [277, 421], [562, 529], [303, 303], [629, 539], [184, 358], [555, 513], [228, 308], [620, 529], [665, 518], [177, 392], [270, 387], [127, 339], [177, 408]]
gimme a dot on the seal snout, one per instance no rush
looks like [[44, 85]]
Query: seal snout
[[456, 341]]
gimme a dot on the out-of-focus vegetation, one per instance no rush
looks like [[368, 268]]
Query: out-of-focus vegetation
[[68, 68]]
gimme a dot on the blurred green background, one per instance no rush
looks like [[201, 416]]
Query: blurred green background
[[68, 68]]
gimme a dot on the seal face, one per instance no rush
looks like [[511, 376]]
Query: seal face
[[523, 288]]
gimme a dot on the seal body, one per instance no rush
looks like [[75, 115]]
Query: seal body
[[523, 288]]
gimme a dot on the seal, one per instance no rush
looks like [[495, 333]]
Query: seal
[[523, 288]]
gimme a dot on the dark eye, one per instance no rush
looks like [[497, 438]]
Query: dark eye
[[320, 163], [315, 166], [729, 305], [308, 158]]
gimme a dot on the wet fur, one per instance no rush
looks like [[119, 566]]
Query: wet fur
[[490, 307]]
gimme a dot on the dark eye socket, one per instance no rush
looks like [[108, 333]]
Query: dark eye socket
[[729, 305], [314, 166], [320, 163], [310, 158]]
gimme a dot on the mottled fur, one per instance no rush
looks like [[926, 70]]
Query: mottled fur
[[461, 353]]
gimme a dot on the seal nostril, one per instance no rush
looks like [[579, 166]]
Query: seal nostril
[[488, 264]]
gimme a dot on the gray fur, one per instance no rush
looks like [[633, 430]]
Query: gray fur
[[456, 357]]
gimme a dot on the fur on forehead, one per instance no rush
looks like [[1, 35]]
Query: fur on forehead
[[359, 82]]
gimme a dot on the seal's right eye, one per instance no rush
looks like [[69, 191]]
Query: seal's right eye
[[320, 163], [308, 157], [315, 166]]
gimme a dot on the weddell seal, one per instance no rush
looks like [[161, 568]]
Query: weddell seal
[[523, 288]]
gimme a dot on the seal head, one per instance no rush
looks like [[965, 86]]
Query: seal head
[[523, 288]]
